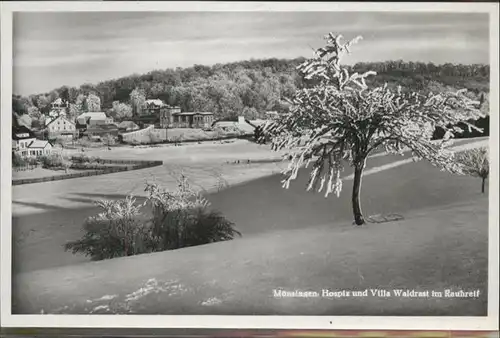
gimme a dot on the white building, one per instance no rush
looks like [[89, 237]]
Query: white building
[[61, 126], [21, 138], [24, 143], [39, 148]]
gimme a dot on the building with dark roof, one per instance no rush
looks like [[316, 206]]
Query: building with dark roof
[[25, 143], [192, 119]]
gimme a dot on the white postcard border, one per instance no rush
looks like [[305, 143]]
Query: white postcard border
[[249, 322]]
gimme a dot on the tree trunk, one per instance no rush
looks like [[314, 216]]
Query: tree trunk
[[483, 185], [356, 190]]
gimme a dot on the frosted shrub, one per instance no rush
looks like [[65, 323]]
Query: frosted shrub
[[178, 219], [114, 232], [84, 159], [182, 218], [18, 160], [54, 160]]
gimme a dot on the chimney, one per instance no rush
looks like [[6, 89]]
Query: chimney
[[241, 119]]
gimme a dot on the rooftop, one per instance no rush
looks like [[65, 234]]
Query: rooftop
[[94, 115], [57, 118], [22, 133], [39, 144]]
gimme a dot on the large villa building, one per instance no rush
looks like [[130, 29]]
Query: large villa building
[[192, 119], [161, 115]]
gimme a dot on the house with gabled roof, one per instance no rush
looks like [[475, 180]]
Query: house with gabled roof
[[25, 143], [58, 104], [39, 148], [61, 126], [21, 138]]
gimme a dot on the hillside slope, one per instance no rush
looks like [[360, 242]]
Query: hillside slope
[[294, 240], [436, 250]]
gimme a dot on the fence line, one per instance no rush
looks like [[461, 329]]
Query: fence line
[[105, 170]]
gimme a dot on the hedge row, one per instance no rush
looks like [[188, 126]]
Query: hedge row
[[106, 170]]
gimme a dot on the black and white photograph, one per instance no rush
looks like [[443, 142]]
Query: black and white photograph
[[194, 160]]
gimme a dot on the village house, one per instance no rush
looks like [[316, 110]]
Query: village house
[[150, 114], [21, 138], [57, 108], [25, 144], [153, 107], [160, 115], [94, 123], [167, 116], [192, 119], [156, 113], [39, 148], [58, 104], [61, 126]]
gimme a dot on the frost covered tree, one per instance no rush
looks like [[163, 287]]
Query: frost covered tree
[[25, 120], [476, 163], [138, 101], [93, 103], [121, 111], [337, 119]]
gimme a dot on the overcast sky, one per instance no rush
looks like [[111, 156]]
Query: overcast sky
[[55, 49]]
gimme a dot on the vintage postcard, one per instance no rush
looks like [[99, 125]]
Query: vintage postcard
[[249, 165]]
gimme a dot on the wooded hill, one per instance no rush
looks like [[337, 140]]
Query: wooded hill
[[241, 88]]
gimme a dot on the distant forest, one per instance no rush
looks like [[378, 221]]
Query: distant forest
[[246, 88]]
